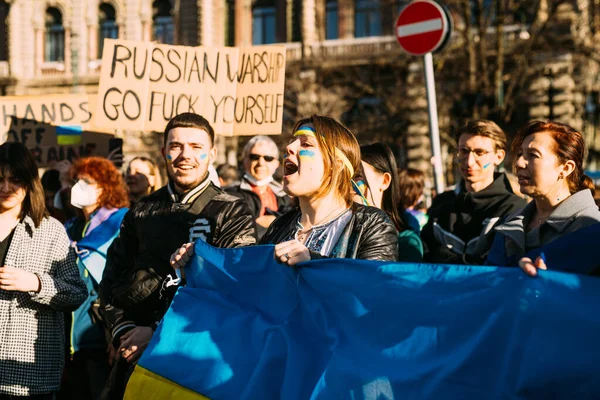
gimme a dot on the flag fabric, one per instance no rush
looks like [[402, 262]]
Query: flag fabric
[[246, 327], [68, 135]]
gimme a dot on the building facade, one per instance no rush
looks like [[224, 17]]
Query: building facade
[[342, 59]]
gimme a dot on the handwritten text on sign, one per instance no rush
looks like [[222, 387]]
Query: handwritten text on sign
[[238, 90], [40, 121]]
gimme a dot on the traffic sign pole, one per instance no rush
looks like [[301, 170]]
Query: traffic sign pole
[[434, 129], [423, 27]]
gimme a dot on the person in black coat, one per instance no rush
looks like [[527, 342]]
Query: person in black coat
[[461, 223], [138, 282]]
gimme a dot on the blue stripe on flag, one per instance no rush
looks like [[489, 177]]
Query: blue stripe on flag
[[75, 130]]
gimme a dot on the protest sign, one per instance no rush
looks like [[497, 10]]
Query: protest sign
[[238, 90], [67, 109], [53, 127]]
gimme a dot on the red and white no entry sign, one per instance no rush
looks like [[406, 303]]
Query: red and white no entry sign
[[422, 27]]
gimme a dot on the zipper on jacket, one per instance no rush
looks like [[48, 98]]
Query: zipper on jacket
[[72, 348]]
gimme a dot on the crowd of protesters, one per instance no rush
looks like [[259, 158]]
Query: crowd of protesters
[[81, 298]]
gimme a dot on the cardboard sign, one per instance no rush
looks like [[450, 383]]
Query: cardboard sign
[[43, 141], [54, 128], [238, 90], [68, 109]]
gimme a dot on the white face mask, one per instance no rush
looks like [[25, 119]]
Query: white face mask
[[83, 195]]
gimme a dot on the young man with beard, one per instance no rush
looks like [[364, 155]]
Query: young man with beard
[[257, 187], [138, 281], [461, 222]]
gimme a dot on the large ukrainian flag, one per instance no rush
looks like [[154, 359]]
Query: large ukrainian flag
[[246, 327]]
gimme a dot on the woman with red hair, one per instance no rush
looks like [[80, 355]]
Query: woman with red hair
[[561, 224], [101, 194]]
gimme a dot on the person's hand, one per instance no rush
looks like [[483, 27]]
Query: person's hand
[[64, 167], [134, 342], [266, 220], [181, 257], [530, 267], [291, 252], [18, 280], [116, 157]]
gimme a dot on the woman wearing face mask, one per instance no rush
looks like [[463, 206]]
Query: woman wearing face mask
[[560, 225], [380, 189], [100, 193], [39, 281], [142, 177], [319, 165]]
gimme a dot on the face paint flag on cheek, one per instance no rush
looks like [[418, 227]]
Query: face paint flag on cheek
[[307, 130], [307, 154], [487, 165], [203, 156], [169, 159]]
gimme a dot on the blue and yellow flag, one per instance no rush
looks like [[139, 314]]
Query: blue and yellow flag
[[246, 327], [68, 135]]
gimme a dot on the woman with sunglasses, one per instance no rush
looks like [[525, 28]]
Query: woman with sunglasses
[[262, 193], [378, 182], [39, 281], [319, 165]]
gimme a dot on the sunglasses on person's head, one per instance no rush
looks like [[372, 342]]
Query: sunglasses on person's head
[[256, 157]]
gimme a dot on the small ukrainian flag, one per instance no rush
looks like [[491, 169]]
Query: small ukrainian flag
[[68, 135]]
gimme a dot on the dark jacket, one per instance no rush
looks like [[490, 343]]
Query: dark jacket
[[578, 212], [243, 190], [461, 224], [138, 281], [369, 235]]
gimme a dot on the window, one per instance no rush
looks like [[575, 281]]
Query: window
[[55, 36], [263, 24], [163, 22], [107, 24], [331, 20], [4, 9], [367, 18], [398, 6]]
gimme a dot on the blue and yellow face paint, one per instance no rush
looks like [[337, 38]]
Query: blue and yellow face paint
[[307, 130], [306, 154], [169, 159], [203, 156], [486, 166]]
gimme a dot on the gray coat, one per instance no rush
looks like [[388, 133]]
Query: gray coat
[[576, 212], [31, 324]]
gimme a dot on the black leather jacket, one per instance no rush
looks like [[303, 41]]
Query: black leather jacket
[[369, 235], [138, 281]]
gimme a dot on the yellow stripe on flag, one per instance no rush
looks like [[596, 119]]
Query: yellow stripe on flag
[[147, 385], [66, 140]]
